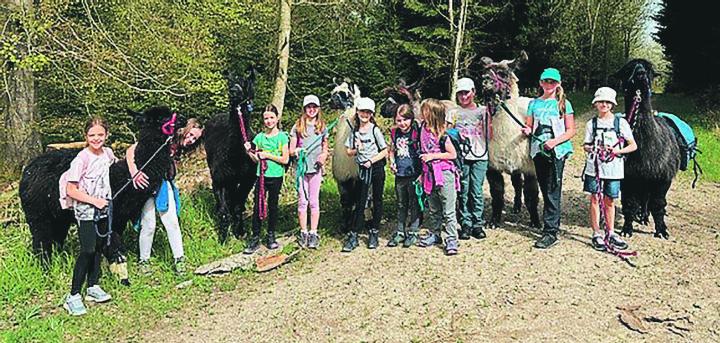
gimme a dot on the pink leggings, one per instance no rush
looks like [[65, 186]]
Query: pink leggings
[[309, 192]]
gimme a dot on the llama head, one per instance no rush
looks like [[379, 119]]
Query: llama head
[[241, 90], [498, 78], [636, 75], [399, 95], [158, 120], [343, 95]]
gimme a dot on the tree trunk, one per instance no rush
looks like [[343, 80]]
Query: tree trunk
[[458, 47], [20, 140], [283, 53]]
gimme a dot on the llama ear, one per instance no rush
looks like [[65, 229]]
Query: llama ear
[[486, 62], [251, 73], [518, 61], [356, 90]]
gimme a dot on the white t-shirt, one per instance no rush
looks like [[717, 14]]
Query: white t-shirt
[[92, 174], [471, 125], [605, 135]]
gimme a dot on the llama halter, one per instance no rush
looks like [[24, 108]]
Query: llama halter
[[637, 99], [169, 127]]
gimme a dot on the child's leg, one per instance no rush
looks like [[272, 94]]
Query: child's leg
[[401, 187], [447, 198], [273, 186], [94, 269], [414, 207], [433, 219], [609, 213], [378, 186], [465, 215], [303, 195], [147, 229], [595, 215], [314, 194], [478, 169], [172, 226], [360, 200], [86, 234]]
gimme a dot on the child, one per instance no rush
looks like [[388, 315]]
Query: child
[[166, 199], [308, 137], [368, 146], [87, 185], [606, 137], [439, 176], [405, 164], [271, 154], [470, 121], [551, 123]]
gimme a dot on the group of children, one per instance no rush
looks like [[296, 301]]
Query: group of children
[[422, 157]]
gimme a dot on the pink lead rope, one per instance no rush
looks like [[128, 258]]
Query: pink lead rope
[[262, 200], [603, 155]]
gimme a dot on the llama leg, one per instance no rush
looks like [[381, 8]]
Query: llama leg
[[41, 244], [630, 204], [517, 182], [656, 204], [347, 190], [239, 207], [530, 187], [116, 253], [221, 209], [497, 191]]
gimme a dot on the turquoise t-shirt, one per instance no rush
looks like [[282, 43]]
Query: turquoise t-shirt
[[546, 112], [274, 146]]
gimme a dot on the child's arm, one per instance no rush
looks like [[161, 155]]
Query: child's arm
[[282, 159], [139, 180], [253, 155], [631, 146], [324, 154], [293, 145], [391, 156], [76, 193], [379, 156], [449, 154], [569, 133]]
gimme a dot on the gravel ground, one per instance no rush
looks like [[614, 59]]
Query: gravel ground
[[498, 289]]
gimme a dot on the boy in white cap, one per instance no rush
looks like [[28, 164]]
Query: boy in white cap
[[309, 140], [368, 146], [607, 138], [470, 121]]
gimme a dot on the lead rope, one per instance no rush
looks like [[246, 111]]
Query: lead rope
[[603, 155], [637, 99]]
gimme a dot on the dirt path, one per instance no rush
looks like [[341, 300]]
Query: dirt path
[[499, 289]]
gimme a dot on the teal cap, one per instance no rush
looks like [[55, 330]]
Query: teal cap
[[550, 73]]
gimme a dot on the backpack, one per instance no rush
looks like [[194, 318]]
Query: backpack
[[454, 136], [687, 141]]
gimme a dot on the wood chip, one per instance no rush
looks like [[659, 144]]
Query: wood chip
[[267, 263], [632, 321]]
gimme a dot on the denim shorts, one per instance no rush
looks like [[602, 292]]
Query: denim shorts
[[611, 188]]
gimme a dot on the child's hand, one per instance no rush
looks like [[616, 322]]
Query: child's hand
[[322, 158], [248, 146], [615, 151], [526, 130], [427, 157], [587, 147], [140, 181], [100, 203], [550, 144], [367, 164], [393, 168], [262, 155], [297, 151]]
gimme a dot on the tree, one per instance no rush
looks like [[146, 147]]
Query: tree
[[283, 54], [19, 139]]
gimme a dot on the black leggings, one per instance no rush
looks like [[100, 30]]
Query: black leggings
[[370, 177], [87, 264], [272, 189]]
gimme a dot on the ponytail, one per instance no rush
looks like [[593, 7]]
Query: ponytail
[[560, 92]]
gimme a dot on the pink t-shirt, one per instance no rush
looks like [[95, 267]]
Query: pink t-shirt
[[92, 174]]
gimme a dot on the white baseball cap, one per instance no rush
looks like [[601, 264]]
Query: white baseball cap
[[465, 84], [605, 94], [366, 104], [311, 99]]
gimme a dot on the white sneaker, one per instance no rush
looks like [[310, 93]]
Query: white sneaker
[[96, 294], [74, 305]]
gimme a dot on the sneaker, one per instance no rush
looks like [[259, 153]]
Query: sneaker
[[598, 243], [478, 232], [251, 245], [617, 242], [464, 233], [145, 268], [313, 241], [97, 294], [430, 240], [410, 240], [546, 241], [303, 239], [373, 239], [396, 238], [180, 267], [351, 242], [451, 247], [271, 243], [74, 305]]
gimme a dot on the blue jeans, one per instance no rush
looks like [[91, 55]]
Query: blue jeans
[[472, 202], [549, 172], [611, 188]]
